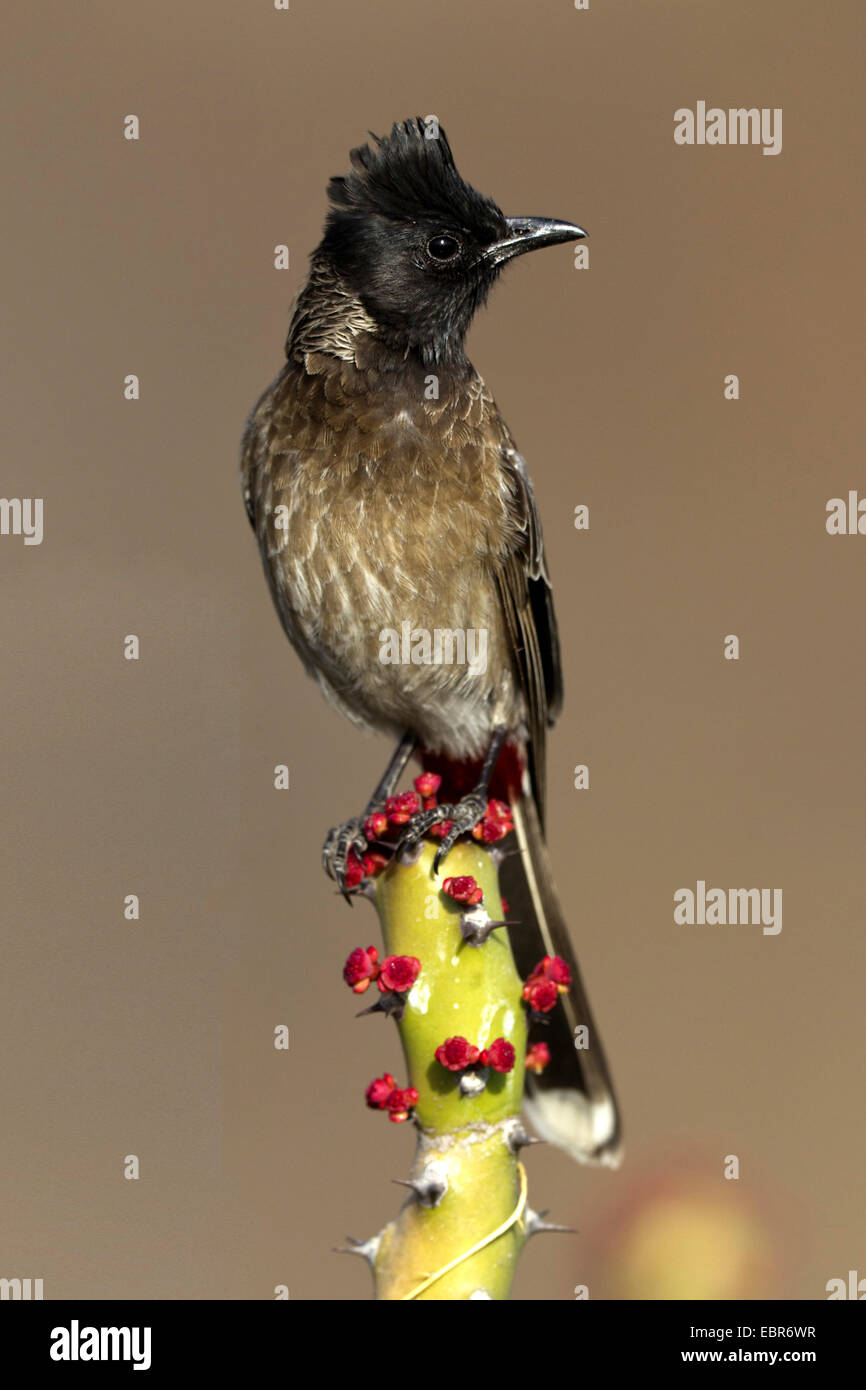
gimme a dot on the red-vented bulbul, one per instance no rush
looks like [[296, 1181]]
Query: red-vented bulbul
[[385, 490]]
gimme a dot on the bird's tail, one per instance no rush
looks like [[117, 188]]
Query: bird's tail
[[572, 1102]]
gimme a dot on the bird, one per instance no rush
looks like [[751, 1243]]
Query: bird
[[385, 489]]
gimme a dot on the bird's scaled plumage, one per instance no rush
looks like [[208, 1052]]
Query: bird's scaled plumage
[[385, 490]]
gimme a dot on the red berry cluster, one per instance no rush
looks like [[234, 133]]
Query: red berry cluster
[[427, 787], [456, 1054], [384, 1094], [550, 978], [394, 975], [364, 866], [495, 824], [400, 809], [537, 1057], [463, 889]]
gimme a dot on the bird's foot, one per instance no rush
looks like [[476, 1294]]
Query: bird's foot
[[337, 853], [462, 816]]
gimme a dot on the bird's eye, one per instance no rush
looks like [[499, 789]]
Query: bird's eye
[[443, 247]]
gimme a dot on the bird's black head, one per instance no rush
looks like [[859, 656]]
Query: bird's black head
[[417, 245]]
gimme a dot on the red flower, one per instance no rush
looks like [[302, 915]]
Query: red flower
[[399, 973], [400, 1102], [361, 968], [559, 972], [489, 832], [375, 826], [457, 1053], [495, 824], [499, 1055], [537, 1057], [354, 870], [540, 995], [374, 864], [463, 889], [551, 973], [382, 1094], [427, 784], [378, 1091], [441, 829], [400, 809]]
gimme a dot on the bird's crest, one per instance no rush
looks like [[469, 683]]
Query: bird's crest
[[410, 174]]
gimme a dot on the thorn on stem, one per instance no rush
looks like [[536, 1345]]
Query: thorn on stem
[[472, 1083], [393, 1004], [517, 1138], [476, 925], [537, 1226], [429, 1187], [368, 1249]]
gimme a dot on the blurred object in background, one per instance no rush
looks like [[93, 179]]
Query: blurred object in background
[[687, 1231]]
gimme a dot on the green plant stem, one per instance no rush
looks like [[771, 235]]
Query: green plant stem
[[467, 1144]]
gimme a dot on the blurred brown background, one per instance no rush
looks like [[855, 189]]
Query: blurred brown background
[[707, 517]]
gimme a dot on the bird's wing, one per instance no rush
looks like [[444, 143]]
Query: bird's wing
[[251, 450], [266, 473], [527, 602]]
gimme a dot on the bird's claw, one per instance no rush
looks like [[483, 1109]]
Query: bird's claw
[[341, 840], [464, 816]]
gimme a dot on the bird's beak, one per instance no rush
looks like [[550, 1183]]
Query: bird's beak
[[528, 234]]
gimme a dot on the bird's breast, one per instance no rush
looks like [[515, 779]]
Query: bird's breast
[[384, 502], [380, 518]]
